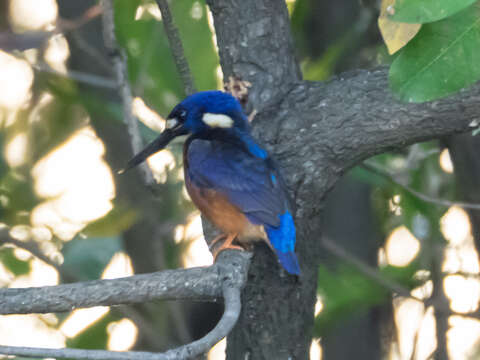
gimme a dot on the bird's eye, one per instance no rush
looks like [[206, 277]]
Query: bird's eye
[[183, 114]]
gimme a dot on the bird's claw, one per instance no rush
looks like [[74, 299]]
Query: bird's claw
[[227, 244]]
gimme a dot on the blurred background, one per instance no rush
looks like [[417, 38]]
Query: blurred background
[[63, 140]]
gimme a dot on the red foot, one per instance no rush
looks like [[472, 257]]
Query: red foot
[[227, 244]]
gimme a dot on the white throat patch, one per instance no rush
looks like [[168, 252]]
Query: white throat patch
[[217, 120]]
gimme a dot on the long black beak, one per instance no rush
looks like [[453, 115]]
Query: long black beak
[[156, 145]]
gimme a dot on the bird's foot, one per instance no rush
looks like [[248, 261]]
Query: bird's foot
[[216, 240], [227, 244]]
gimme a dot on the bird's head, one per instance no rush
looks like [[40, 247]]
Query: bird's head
[[207, 111], [206, 114]]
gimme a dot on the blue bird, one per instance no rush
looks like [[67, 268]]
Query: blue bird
[[229, 177]]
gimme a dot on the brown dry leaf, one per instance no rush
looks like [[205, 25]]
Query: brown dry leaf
[[395, 34]]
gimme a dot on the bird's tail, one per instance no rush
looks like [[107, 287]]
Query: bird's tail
[[282, 239], [289, 262]]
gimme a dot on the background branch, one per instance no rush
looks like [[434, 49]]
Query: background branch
[[89, 79], [203, 284], [30, 246], [231, 294], [176, 47], [430, 199], [367, 270], [128, 311], [120, 66]]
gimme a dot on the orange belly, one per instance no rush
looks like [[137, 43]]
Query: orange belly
[[223, 214]]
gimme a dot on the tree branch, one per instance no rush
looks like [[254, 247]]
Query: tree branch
[[432, 200], [204, 284], [366, 270], [89, 79], [176, 47], [120, 66], [66, 275], [30, 246], [231, 294], [226, 277], [355, 116], [335, 125]]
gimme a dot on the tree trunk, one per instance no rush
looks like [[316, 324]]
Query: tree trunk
[[277, 309], [464, 153], [351, 200]]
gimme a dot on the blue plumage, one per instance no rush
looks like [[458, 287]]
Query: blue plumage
[[230, 178], [282, 239], [244, 179]]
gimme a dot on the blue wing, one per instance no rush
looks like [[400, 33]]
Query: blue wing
[[253, 184]]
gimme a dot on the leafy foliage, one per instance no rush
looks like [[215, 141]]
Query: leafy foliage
[[442, 59], [395, 34], [345, 292], [87, 258], [12, 263], [414, 11], [95, 336], [150, 60]]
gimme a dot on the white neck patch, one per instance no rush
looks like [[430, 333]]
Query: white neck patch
[[217, 120]]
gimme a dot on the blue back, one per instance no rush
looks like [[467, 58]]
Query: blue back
[[252, 183]]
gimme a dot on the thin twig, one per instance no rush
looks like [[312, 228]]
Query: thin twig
[[366, 270], [176, 47], [91, 51], [10, 40], [89, 79], [230, 289], [32, 248], [427, 198], [120, 66], [67, 276], [390, 284], [73, 24]]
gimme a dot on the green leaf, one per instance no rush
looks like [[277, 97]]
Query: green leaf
[[424, 11], [324, 67], [20, 199], [150, 63], [88, 257], [346, 292], [12, 263], [360, 174], [114, 223], [442, 59], [95, 336]]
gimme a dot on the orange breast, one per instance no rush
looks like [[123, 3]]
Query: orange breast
[[217, 208], [223, 214]]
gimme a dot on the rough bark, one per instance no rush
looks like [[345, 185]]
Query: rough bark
[[198, 284], [277, 314], [316, 131]]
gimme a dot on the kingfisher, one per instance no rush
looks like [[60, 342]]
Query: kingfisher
[[230, 178]]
